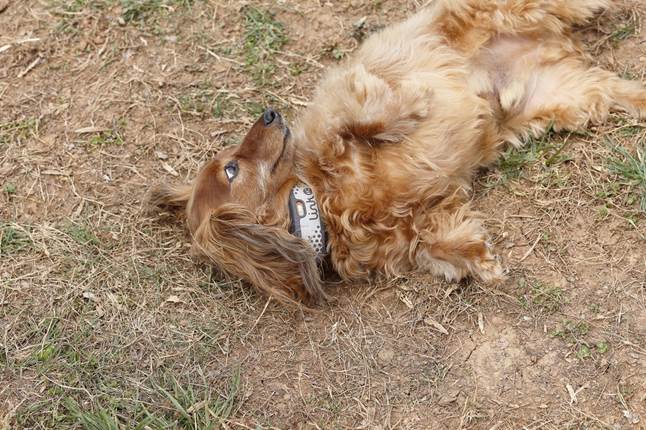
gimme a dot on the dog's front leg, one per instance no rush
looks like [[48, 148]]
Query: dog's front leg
[[375, 111]]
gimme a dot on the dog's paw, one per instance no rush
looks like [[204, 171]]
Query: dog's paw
[[375, 111], [641, 111], [489, 269]]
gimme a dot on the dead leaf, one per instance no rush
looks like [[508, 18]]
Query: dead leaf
[[407, 301], [360, 23], [88, 295], [173, 299], [449, 290], [570, 390], [386, 355], [439, 327], [632, 417], [55, 172], [197, 406], [161, 155], [449, 397], [91, 129], [167, 167]]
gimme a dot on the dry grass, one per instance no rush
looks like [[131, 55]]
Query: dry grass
[[106, 322]]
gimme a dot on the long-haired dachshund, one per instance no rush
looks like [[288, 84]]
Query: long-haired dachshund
[[374, 175]]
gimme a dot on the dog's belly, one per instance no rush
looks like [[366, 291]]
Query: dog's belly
[[380, 195], [521, 75]]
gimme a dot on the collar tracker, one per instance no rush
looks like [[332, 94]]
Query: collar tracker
[[306, 218]]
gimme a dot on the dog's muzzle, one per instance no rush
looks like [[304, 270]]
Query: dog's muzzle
[[306, 218]]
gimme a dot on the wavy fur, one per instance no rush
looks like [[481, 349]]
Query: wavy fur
[[392, 140]]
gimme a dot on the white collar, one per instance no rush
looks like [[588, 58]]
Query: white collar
[[306, 218]]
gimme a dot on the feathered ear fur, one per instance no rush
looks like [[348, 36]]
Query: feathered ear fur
[[164, 196], [272, 260]]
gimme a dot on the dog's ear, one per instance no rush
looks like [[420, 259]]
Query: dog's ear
[[374, 111], [272, 260], [174, 197]]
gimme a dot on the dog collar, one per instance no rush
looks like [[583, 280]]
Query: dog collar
[[306, 218]]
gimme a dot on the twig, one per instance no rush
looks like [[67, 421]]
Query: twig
[[258, 319], [219, 58], [31, 66], [529, 251]]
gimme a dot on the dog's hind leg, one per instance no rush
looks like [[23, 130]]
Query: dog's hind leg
[[467, 24], [575, 12], [566, 95], [455, 246]]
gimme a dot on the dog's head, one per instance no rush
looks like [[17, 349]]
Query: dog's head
[[234, 210]]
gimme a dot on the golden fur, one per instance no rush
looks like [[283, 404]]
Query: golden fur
[[392, 140]]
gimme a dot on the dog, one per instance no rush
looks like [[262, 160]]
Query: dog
[[374, 176]]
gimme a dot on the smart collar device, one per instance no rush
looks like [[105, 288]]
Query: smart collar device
[[306, 218]]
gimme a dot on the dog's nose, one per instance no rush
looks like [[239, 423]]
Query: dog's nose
[[269, 116]]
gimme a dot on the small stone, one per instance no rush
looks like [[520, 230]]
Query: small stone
[[632, 417], [161, 155], [449, 397], [386, 355]]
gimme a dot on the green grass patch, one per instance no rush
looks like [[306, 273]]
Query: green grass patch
[[221, 106], [514, 160], [263, 37], [18, 130], [12, 239], [185, 407], [575, 334], [297, 69], [105, 138], [333, 52], [542, 149], [548, 151], [139, 10], [76, 6], [132, 11], [630, 171], [48, 332], [541, 296], [47, 353], [82, 235], [571, 330], [583, 352], [10, 188], [199, 410], [624, 31], [103, 418], [602, 347], [254, 109], [630, 131], [69, 12], [203, 101]]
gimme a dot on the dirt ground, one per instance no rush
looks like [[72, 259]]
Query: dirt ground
[[106, 322]]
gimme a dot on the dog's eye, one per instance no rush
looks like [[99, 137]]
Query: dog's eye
[[231, 170]]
